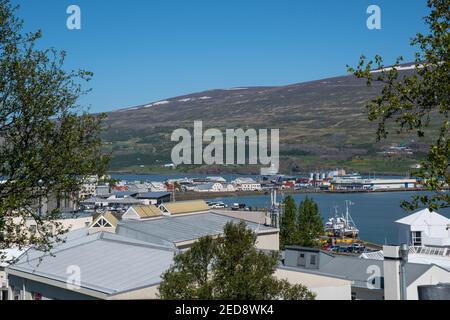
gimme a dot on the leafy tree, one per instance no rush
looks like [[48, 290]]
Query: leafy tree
[[288, 228], [309, 223], [229, 267], [411, 102], [48, 143], [188, 277]]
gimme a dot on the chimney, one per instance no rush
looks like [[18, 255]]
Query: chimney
[[395, 259], [391, 266]]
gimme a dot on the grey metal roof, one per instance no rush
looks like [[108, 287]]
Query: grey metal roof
[[128, 200], [205, 186], [152, 195], [359, 270], [122, 194], [182, 228], [135, 257], [108, 263]]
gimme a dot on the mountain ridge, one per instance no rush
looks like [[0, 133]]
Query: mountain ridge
[[323, 123]]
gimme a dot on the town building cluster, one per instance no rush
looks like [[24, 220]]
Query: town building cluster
[[336, 180], [114, 255]]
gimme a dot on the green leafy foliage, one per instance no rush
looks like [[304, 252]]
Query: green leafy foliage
[[48, 143], [309, 224], [301, 227], [288, 228], [229, 267], [409, 103]]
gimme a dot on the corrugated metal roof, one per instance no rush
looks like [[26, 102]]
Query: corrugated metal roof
[[184, 228], [108, 263], [128, 200], [180, 207], [152, 195], [359, 270]]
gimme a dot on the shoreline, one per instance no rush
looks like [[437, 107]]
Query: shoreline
[[190, 195]]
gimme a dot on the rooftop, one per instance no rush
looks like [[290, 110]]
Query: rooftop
[[180, 207], [109, 263], [152, 195], [425, 217], [358, 270], [182, 228]]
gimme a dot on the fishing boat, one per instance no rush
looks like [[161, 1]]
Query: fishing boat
[[342, 225]]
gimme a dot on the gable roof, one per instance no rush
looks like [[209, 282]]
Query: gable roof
[[176, 229], [184, 207], [109, 263], [108, 216], [149, 211], [425, 218]]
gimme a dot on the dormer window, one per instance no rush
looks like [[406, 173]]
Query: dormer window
[[416, 238], [102, 223]]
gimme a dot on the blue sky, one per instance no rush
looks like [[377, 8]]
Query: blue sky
[[147, 50]]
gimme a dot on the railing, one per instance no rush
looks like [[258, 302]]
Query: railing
[[433, 251]]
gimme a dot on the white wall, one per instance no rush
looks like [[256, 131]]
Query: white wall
[[326, 288], [141, 294], [433, 276], [391, 279], [268, 241]]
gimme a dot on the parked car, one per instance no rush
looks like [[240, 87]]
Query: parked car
[[235, 206], [217, 205]]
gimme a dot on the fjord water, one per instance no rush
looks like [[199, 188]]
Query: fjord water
[[373, 213]]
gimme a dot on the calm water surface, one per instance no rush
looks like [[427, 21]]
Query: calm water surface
[[373, 213]]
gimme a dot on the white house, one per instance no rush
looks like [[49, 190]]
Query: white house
[[88, 187], [216, 179], [424, 228], [209, 187], [228, 187], [157, 186], [246, 184], [428, 236]]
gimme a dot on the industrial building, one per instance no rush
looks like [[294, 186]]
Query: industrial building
[[121, 258], [370, 279]]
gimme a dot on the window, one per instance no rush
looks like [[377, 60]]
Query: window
[[102, 223], [301, 261], [416, 238], [353, 295], [313, 259]]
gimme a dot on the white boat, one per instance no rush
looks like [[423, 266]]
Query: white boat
[[342, 225]]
